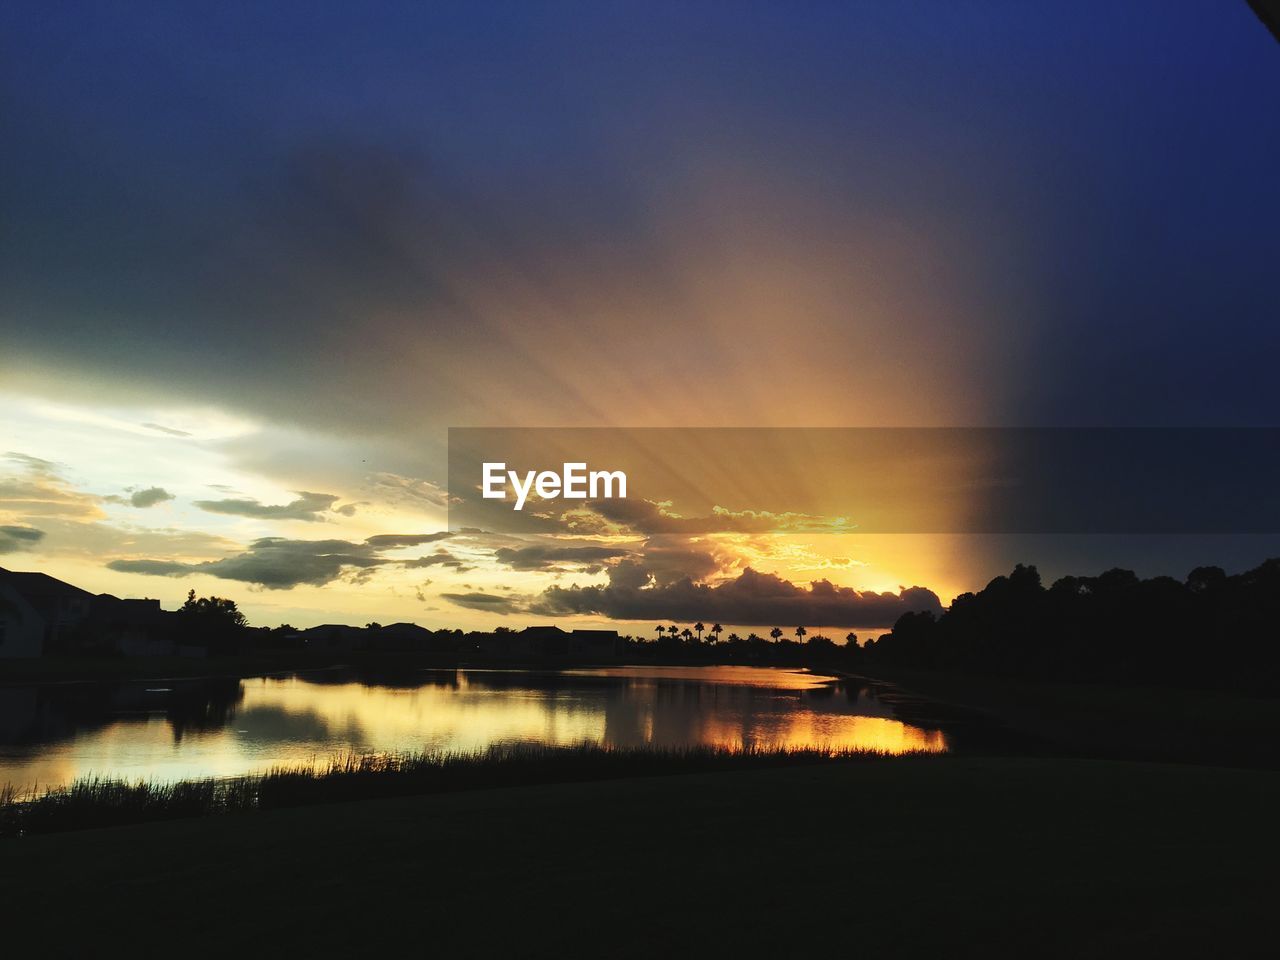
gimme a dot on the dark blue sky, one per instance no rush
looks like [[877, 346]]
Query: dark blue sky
[[1113, 163]]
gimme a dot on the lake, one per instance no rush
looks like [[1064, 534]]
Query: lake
[[170, 730]]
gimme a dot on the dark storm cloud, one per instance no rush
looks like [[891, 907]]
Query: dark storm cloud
[[315, 235], [630, 574], [485, 601], [669, 559], [308, 506], [14, 538], [231, 217], [753, 599]]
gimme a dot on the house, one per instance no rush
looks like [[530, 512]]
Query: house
[[545, 641], [61, 608], [332, 638], [42, 615], [135, 628], [399, 637], [551, 643], [595, 644], [21, 626], [505, 645]]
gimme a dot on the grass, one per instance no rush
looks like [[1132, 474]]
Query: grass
[[95, 802], [930, 857]]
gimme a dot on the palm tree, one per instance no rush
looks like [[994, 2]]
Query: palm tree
[[673, 630], [715, 631], [687, 634], [699, 628], [733, 637], [776, 633], [800, 632], [660, 630]]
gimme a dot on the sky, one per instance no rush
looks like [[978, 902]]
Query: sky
[[255, 260]]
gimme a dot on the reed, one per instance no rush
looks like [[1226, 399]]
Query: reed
[[97, 802]]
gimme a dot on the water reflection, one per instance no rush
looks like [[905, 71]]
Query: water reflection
[[51, 735]]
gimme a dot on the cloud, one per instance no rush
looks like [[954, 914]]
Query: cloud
[[671, 559], [38, 489], [271, 562], [630, 574], [281, 564], [309, 506], [753, 599], [662, 560], [34, 465], [149, 497], [485, 601], [650, 517], [169, 430], [15, 538], [154, 568], [441, 558], [408, 491], [385, 541], [557, 557]]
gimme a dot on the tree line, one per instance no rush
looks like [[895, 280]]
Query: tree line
[[1209, 630]]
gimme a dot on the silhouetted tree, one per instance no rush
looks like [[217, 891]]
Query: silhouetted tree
[[212, 622], [1210, 630]]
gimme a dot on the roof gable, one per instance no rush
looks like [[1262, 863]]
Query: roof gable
[[41, 585]]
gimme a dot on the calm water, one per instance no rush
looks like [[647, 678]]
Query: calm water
[[182, 729]]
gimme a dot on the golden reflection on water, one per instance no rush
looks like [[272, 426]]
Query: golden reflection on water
[[294, 721]]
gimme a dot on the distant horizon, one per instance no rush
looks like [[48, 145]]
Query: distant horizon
[[646, 630]]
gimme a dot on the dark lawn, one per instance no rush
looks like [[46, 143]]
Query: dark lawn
[[919, 857]]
